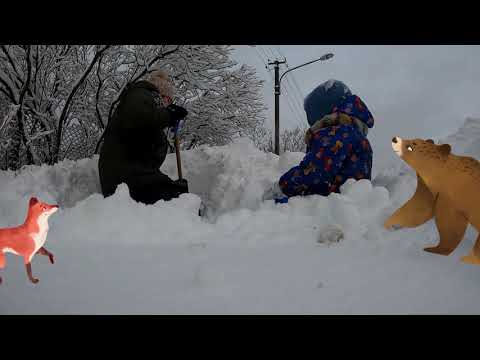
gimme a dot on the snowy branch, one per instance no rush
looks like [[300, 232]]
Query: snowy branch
[[11, 62], [39, 135], [9, 88], [97, 96], [74, 90], [70, 98]]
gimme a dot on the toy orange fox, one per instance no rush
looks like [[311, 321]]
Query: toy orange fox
[[28, 239]]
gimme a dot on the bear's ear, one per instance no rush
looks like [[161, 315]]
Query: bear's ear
[[445, 149], [33, 201], [430, 141]]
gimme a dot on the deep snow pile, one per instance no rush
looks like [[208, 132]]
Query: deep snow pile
[[117, 256], [466, 141]]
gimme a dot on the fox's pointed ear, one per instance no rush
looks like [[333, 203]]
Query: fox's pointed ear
[[33, 201], [445, 149], [430, 141]]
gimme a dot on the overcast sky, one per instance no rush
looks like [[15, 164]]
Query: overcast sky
[[412, 91]]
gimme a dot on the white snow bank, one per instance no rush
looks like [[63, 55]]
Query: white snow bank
[[233, 176], [466, 141], [117, 256]]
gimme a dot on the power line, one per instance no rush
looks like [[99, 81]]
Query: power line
[[299, 97], [290, 92], [257, 52], [296, 100], [294, 79], [265, 55], [278, 80], [297, 111], [260, 48], [291, 104], [296, 90]]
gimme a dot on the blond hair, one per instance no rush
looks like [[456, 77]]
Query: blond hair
[[162, 82]]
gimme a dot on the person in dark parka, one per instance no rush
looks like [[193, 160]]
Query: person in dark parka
[[135, 144]]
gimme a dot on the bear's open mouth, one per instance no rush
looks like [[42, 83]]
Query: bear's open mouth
[[397, 146]]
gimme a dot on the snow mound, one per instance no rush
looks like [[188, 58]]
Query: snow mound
[[231, 180], [312, 255], [466, 141], [231, 177], [66, 183]]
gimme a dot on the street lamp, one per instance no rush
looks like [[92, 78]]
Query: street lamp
[[278, 80]]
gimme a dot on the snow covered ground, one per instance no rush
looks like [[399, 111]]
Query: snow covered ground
[[115, 256]]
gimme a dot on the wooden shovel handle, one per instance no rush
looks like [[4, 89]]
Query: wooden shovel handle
[[179, 160]]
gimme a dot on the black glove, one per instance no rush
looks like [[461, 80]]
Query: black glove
[[177, 113], [181, 186]]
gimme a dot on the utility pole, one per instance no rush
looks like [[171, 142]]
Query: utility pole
[[278, 80], [276, 64]]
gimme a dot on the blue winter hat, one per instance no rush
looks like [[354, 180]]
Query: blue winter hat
[[323, 98]]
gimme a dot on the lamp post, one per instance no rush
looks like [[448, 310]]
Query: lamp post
[[278, 80], [276, 64]]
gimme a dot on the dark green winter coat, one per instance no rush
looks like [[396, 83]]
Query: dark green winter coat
[[135, 146]]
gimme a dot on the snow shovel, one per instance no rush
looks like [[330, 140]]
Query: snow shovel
[[177, 151], [201, 210]]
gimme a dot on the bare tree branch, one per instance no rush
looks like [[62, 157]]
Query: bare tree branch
[[150, 64], [70, 98], [30, 152], [155, 59], [97, 96], [12, 63], [223, 102], [9, 88], [7, 91]]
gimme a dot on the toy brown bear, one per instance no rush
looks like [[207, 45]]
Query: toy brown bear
[[447, 189]]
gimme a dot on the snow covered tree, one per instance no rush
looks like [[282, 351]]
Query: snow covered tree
[[222, 98], [43, 81], [293, 140], [9, 140], [262, 137], [3, 105], [65, 94], [290, 139]]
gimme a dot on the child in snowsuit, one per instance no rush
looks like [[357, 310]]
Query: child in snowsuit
[[337, 146]]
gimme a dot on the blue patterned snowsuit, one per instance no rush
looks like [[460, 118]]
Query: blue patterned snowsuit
[[335, 154]]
